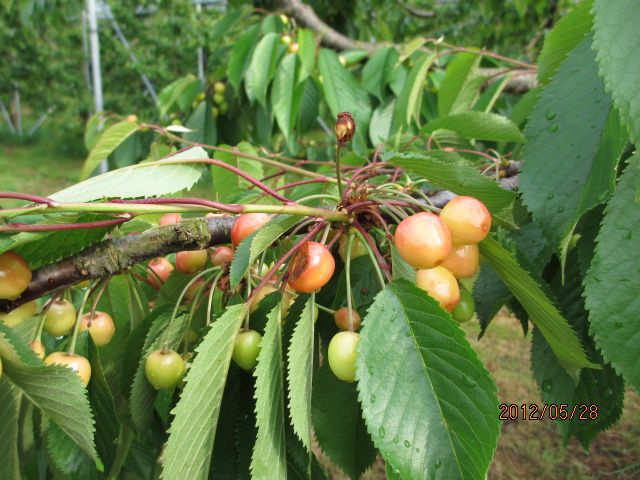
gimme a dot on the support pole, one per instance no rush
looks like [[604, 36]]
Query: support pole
[[94, 42], [200, 49]]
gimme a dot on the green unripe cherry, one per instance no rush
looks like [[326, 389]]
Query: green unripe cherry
[[342, 355], [164, 370], [466, 307], [246, 349]]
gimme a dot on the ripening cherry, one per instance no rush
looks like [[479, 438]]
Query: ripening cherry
[[463, 261], [467, 218], [164, 370], [441, 285], [422, 240], [342, 319], [102, 327], [466, 307], [38, 349], [191, 261], [246, 224], [160, 268], [293, 47], [170, 218], [18, 315], [358, 249], [60, 318], [221, 256], [342, 355], [219, 87], [246, 349], [311, 268], [77, 363], [15, 275]]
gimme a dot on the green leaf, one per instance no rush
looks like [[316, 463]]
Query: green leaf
[[286, 96], [252, 247], [141, 180], [240, 56], [188, 451], [478, 125], [306, 52], [446, 171], [522, 110], [615, 40], [203, 125], [340, 429], [614, 313], [92, 129], [380, 128], [563, 38], [169, 95], [542, 312], [262, 68], [300, 372], [427, 400], [14, 349], [269, 460], [490, 294], [342, 91], [409, 101], [401, 269], [107, 143], [377, 71], [458, 83], [9, 416], [570, 163], [309, 103], [227, 185]]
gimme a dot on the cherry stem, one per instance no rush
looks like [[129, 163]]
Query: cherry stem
[[355, 175], [27, 197], [210, 299], [372, 244], [286, 257], [76, 328], [223, 207], [328, 310], [27, 227], [42, 314], [336, 237], [338, 151], [103, 284], [347, 271]]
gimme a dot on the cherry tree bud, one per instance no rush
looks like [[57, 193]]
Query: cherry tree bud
[[345, 128]]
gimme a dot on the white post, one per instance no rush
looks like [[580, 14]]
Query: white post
[[16, 100], [200, 49], [94, 42]]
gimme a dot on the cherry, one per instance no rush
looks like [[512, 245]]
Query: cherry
[[286, 40], [221, 256], [60, 318], [467, 218], [342, 355], [77, 363], [466, 307], [293, 47], [191, 261], [246, 224], [219, 87], [441, 285], [311, 268], [18, 315], [342, 318], [170, 218], [161, 269], [246, 349], [102, 327], [38, 348], [164, 370], [463, 261], [422, 240], [358, 249], [15, 275]]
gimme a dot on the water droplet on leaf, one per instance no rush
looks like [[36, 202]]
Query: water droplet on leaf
[[381, 432], [395, 440], [550, 115], [437, 464], [372, 399], [407, 443], [560, 209], [552, 128], [550, 196], [547, 385]]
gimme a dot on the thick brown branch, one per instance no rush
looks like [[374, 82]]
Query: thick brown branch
[[114, 256]]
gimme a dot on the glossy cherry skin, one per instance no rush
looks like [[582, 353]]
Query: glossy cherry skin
[[15, 275], [467, 218], [342, 319], [170, 218], [466, 307], [77, 363], [246, 224], [422, 240], [38, 349], [60, 318], [358, 249], [311, 268], [342, 355], [246, 349], [463, 261], [441, 285], [221, 256], [102, 327], [164, 370], [18, 315], [162, 269], [191, 261]]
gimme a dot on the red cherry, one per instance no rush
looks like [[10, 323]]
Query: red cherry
[[246, 224], [311, 268], [170, 218], [77, 363], [423, 240], [467, 218], [15, 275], [221, 256], [342, 319], [463, 261], [161, 269], [441, 285], [102, 327], [191, 261]]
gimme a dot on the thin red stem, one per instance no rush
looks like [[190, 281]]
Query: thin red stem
[[27, 197], [374, 249]]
